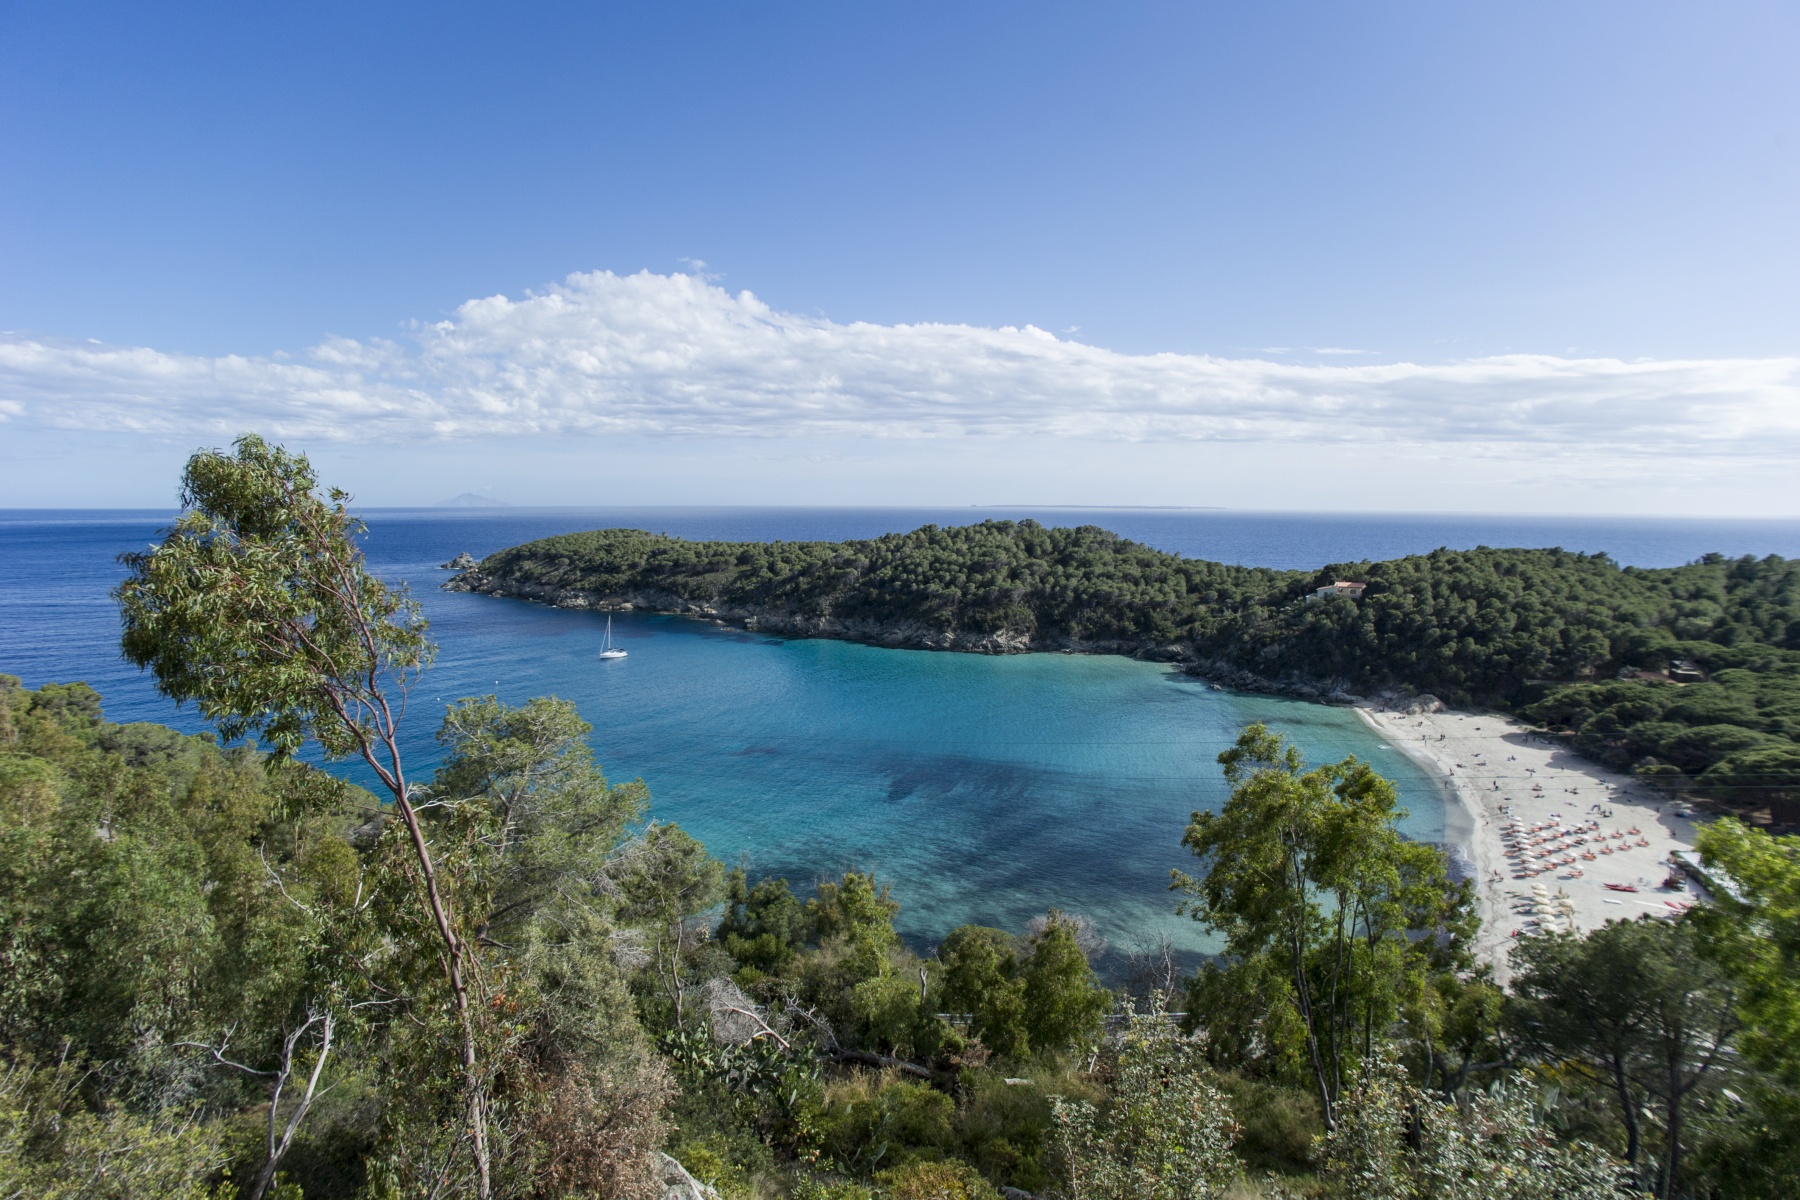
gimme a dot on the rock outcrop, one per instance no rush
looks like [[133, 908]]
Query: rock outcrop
[[909, 635], [461, 562], [677, 1184]]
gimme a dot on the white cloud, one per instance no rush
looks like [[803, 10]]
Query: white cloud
[[677, 355]]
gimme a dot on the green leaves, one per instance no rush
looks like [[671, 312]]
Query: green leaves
[[157, 890], [1039, 997], [1064, 1002], [1635, 1008], [764, 926], [1165, 1131], [981, 978], [257, 606], [666, 876], [1396, 1142], [1331, 919], [1753, 934], [522, 783]]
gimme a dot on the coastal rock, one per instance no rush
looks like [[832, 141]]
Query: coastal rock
[[1423, 703], [910, 635], [901, 635], [461, 562], [677, 1184]]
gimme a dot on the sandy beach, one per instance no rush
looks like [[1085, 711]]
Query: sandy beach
[[1551, 830]]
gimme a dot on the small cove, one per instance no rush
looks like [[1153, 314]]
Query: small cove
[[987, 789]]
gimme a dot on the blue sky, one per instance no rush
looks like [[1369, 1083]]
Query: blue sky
[[1526, 257]]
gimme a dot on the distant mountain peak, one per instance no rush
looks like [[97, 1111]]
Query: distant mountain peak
[[471, 500]]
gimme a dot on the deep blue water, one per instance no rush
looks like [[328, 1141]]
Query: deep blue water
[[987, 789]]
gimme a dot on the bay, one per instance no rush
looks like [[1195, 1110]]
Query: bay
[[985, 789]]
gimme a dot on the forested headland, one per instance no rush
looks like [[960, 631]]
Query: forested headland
[[1689, 673]]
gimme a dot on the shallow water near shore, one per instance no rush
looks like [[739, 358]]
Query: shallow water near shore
[[985, 789]]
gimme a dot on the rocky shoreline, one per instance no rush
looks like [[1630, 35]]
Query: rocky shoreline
[[910, 635]]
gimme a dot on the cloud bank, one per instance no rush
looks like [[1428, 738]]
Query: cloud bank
[[675, 356]]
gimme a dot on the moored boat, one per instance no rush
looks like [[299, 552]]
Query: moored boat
[[607, 649]]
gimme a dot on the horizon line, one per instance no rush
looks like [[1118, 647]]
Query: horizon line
[[1450, 514]]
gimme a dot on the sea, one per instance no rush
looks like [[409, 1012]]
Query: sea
[[982, 789]]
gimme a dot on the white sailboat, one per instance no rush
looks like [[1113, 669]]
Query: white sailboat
[[607, 649]]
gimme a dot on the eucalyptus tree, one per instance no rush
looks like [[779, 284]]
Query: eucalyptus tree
[[258, 607], [1332, 920]]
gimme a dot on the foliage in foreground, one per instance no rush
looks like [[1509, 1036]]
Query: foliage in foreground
[[1164, 1130], [54, 1145], [1397, 1142], [165, 899], [1334, 925]]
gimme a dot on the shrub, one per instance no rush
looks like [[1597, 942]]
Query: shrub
[[1278, 1124], [1005, 1129], [1394, 1142], [830, 1189], [951, 1180], [53, 1146], [874, 1120], [1164, 1133]]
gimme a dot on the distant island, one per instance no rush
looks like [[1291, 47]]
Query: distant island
[[1690, 673], [471, 500]]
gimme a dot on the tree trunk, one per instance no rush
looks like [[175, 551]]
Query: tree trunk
[[393, 776], [1672, 1158], [454, 954], [1628, 1111], [1304, 996]]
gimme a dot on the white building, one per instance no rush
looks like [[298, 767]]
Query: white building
[[1341, 587]]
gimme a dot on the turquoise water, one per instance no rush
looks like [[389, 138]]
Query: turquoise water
[[986, 789]]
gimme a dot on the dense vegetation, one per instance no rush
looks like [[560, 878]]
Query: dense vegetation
[[1045, 584], [187, 926], [1572, 640]]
